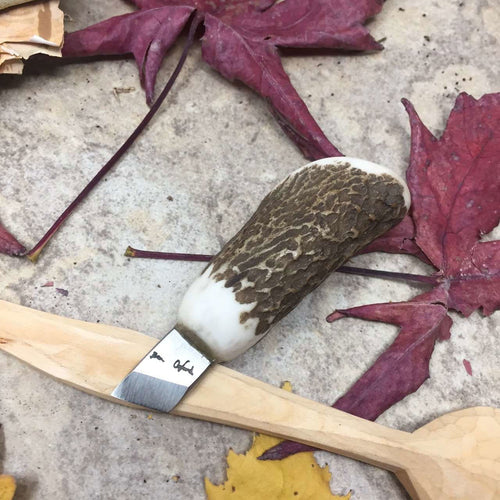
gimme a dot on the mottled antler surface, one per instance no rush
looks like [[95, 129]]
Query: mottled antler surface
[[305, 228]]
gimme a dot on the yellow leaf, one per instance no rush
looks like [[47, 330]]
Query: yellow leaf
[[297, 477], [7, 487]]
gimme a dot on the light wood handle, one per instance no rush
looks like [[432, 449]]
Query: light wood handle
[[96, 357], [454, 457]]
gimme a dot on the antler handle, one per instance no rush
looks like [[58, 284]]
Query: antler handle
[[305, 228]]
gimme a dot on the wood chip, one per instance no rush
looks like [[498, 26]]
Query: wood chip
[[29, 29], [4, 4]]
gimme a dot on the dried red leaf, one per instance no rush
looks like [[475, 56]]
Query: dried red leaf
[[8, 244], [399, 239], [147, 34], [467, 366], [455, 185], [34, 253], [454, 182], [241, 41], [404, 366]]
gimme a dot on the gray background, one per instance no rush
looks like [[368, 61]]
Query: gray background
[[216, 150]]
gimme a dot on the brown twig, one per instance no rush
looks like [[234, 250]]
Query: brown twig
[[198, 257]]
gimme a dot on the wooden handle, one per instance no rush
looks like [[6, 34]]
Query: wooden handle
[[96, 357], [228, 397], [454, 457], [305, 228]]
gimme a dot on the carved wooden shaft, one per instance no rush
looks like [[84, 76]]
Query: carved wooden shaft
[[454, 457], [305, 228]]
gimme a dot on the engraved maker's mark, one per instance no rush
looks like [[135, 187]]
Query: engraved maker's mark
[[155, 355], [183, 367]]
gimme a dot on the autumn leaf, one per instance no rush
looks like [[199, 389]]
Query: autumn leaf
[[467, 366], [404, 366], [251, 479], [399, 239], [7, 487], [241, 41], [455, 184], [8, 244]]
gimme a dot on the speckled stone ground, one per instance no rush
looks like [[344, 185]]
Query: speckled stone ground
[[188, 184]]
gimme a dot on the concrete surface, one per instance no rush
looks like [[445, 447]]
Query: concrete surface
[[215, 150]]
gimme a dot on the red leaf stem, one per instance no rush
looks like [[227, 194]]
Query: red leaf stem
[[146, 254], [198, 257], [35, 252]]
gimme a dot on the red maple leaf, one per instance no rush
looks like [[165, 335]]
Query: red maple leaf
[[455, 186], [8, 244], [241, 41]]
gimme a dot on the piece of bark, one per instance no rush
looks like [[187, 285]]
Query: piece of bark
[[29, 29], [4, 4]]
